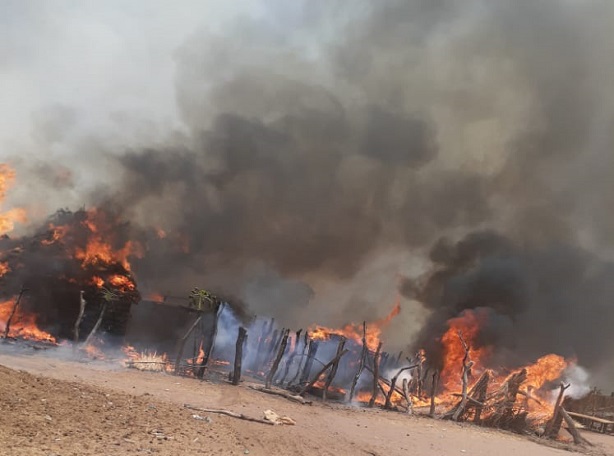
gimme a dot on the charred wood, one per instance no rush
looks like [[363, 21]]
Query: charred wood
[[241, 336], [280, 353], [375, 375], [361, 364], [324, 369], [335, 366]]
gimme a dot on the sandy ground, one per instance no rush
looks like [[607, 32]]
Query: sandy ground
[[58, 407]]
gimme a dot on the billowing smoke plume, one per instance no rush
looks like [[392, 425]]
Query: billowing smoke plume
[[313, 139]]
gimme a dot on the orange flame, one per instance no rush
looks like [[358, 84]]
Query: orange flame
[[146, 360], [468, 324], [12, 216], [354, 331], [98, 249], [23, 324]]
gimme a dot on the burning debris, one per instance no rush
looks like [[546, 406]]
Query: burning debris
[[80, 286]]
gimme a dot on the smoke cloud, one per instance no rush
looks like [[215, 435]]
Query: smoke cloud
[[312, 157]]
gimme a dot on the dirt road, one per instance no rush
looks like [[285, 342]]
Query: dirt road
[[59, 407]]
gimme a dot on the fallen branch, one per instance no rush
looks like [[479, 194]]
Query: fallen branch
[[290, 397], [573, 430], [229, 413]]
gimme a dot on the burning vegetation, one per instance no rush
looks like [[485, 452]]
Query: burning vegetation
[[76, 283]]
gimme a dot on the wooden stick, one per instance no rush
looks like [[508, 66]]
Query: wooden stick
[[291, 397], [324, 369], [554, 424], [434, 385], [385, 381], [79, 317], [290, 359], [311, 354], [375, 375], [13, 311], [280, 354], [467, 365], [229, 413], [97, 325], [406, 395], [182, 342], [212, 337], [260, 351], [299, 370], [333, 370], [393, 383], [573, 430], [361, 364], [241, 336]]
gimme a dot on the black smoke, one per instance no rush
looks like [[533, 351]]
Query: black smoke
[[321, 135], [539, 299]]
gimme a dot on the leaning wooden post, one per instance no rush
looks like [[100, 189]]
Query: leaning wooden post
[[203, 365], [393, 382], [260, 351], [97, 325], [241, 336], [79, 316], [467, 365], [434, 385], [280, 354], [299, 368], [361, 364], [311, 354], [573, 430], [554, 424], [13, 311], [324, 369], [290, 359], [333, 370], [182, 342], [407, 396], [375, 375]]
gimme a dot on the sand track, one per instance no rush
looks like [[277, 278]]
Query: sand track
[[58, 407]]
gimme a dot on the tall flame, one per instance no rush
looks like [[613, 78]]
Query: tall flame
[[12, 216], [23, 324]]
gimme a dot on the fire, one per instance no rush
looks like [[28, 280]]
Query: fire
[[4, 268], [23, 324], [12, 216], [468, 324], [546, 369], [354, 331], [146, 360], [155, 297], [93, 352], [122, 282]]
